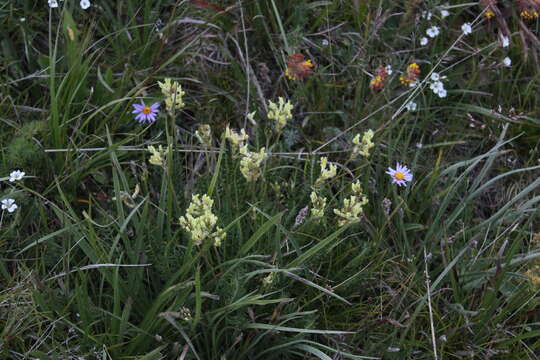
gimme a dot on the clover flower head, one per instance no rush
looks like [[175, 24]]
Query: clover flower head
[[466, 28], [146, 113], [251, 163], [200, 222], [411, 75], [280, 112], [298, 67], [433, 31], [328, 171], [401, 175], [173, 94], [85, 4], [9, 205], [158, 155], [318, 205], [16, 175]]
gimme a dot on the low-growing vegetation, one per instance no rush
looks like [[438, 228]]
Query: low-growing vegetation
[[269, 179]]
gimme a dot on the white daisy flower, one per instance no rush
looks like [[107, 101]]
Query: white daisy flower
[[507, 61], [16, 175], [9, 205], [466, 28], [411, 106], [424, 41], [433, 31]]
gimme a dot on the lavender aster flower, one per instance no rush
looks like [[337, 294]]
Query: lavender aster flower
[[145, 113], [401, 175]]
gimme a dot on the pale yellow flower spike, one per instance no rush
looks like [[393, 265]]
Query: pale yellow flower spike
[[236, 139], [280, 113], [158, 156], [353, 206], [318, 205], [174, 94], [362, 147], [200, 222], [327, 172], [251, 163]]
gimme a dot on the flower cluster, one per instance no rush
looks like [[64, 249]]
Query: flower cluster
[[298, 67], [173, 94], [436, 85], [363, 146], [9, 203], [377, 82], [251, 163], [411, 75], [318, 205], [353, 206], [237, 140], [158, 155], [328, 171], [200, 222], [204, 135], [280, 113], [528, 9]]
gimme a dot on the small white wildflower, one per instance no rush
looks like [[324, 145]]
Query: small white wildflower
[[388, 69], [435, 76], [9, 205], [427, 15], [442, 93], [53, 3], [505, 41], [419, 145], [436, 86], [424, 41], [411, 106], [466, 28], [433, 31], [85, 4], [445, 13], [325, 42], [22, 19], [16, 175], [507, 61], [413, 84]]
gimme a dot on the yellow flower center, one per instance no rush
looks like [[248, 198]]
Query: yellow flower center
[[146, 110], [399, 175]]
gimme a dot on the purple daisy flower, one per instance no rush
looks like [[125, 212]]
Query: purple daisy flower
[[145, 113], [401, 175]]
